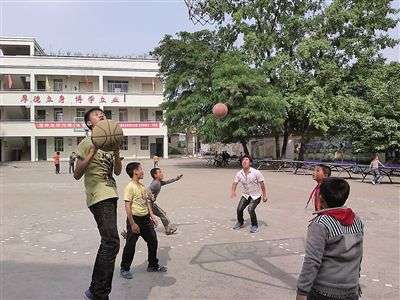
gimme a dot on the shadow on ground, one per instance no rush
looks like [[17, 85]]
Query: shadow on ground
[[258, 252], [63, 281]]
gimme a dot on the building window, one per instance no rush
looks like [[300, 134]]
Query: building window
[[41, 85], [41, 115], [58, 144], [108, 114], [159, 116], [124, 145], [79, 139], [58, 114], [144, 115], [123, 114], [80, 112], [58, 85], [117, 86], [144, 143]]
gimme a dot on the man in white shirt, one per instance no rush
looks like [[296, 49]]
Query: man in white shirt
[[254, 189]]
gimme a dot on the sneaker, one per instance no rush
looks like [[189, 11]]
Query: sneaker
[[126, 274], [157, 269], [88, 295], [171, 230], [124, 234], [254, 229], [237, 226]]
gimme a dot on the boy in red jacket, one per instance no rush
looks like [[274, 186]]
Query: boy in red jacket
[[321, 172]]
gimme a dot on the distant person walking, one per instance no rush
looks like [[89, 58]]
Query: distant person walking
[[374, 166], [72, 159], [56, 160]]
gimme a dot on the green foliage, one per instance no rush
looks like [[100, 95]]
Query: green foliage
[[286, 67]]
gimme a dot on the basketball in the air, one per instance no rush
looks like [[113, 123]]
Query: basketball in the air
[[220, 110], [107, 135]]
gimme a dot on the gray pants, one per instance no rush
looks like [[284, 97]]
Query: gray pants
[[159, 212]]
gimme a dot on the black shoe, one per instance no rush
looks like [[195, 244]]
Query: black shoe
[[157, 269]]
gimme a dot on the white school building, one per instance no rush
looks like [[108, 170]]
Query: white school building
[[43, 99]]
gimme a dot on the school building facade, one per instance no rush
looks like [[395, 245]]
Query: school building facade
[[43, 99]]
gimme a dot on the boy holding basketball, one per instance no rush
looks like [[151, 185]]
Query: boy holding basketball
[[321, 172], [101, 196], [334, 248], [254, 190], [140, 222]]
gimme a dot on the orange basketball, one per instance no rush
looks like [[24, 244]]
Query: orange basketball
[[107, 135], [220, 110]]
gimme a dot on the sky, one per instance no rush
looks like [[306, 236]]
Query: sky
[[127, 27]]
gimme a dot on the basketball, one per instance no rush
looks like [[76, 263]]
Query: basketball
[[107, 135], [220, 110]]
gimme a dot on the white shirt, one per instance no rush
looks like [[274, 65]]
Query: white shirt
[[250, 183]]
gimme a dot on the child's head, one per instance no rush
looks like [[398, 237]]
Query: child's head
[[376, 156], [93, 116], [321, 172], [246, 161], [334, 192], [134, 169], [58, 152], [156, 174]]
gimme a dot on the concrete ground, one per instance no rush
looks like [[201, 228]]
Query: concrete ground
[[48, 238]]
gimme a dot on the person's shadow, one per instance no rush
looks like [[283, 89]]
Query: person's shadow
[[140, 286]]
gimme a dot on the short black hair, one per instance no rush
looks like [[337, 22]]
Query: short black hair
[[334, 191], [326, 169], [246, 156], [58, 152], [131, 167], [87, 115], [153, 172]]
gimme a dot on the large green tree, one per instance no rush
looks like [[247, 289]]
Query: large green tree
[[200, 69], [309, 50], [371, 119]]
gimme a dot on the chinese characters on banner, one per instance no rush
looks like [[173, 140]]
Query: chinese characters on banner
[[52, 125], [72, 99]]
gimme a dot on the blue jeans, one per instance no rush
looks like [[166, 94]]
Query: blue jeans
[[252, 204]]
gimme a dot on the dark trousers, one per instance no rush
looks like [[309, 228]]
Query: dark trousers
[[159, 212], [57, 168], [105, 214], [313, 295], [252, 204], [71, 168], [148, 233]]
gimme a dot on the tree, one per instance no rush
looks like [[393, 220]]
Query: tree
[[371, 119], [199, 70], [308, 50], [255, 108]]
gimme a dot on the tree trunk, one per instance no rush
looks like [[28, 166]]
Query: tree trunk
[[277, 146], [187, 143], [285, 142], [245, 149]]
